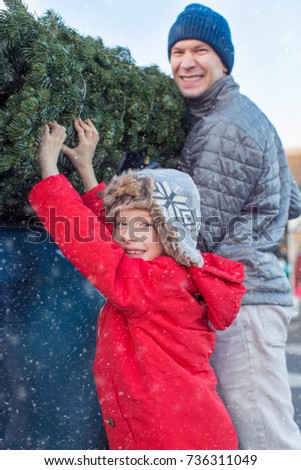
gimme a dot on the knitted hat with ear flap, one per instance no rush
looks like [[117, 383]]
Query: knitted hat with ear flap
[[173, 201]]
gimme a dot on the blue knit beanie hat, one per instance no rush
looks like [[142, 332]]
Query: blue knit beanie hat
[[202, 23]]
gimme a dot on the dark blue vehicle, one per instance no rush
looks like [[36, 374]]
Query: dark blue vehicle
[[49, 313]]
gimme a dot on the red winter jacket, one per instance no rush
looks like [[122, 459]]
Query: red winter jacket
[[152, 372]]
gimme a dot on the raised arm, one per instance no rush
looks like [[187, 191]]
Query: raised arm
[[49, 149], [82, 156]]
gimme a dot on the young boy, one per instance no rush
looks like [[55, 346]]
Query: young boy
[[154, 341]]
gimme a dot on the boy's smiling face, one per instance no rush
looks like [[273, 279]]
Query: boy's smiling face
[[134, 231]]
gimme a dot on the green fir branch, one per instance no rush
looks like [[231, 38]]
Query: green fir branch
[[50, 72]]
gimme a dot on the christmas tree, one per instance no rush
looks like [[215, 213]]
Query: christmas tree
[[51, 72]]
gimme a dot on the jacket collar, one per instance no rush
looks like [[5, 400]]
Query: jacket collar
[[203, 105]]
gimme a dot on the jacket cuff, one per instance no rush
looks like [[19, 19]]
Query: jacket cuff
[[93, 195], [93, 200]]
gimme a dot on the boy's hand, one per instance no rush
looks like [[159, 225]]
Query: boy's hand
[[82, 155], [50, 147]]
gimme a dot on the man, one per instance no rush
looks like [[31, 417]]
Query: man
[[237, 161]]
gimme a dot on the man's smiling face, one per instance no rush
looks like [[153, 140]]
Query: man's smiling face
[[195, 67]]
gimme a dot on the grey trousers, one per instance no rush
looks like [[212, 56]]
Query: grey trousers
[[250, 363]]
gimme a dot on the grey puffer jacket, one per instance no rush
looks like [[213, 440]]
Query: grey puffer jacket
[[237, 161]]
